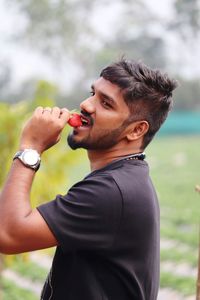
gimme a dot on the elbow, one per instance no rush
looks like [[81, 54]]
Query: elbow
[[6, 251], [7, 245], [7, 248]]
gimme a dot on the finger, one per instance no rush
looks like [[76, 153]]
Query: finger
[[47, 110], [56, 111], [39, 110], [64, 109], [64, 116]]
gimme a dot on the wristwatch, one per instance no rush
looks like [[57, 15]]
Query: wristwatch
[[29, 157]]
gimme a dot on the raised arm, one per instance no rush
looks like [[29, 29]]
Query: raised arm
[[21, 228]]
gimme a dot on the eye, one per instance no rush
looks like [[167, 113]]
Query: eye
[[92, 93], [106, 104]]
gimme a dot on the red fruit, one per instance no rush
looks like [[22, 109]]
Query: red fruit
[[75, 120]]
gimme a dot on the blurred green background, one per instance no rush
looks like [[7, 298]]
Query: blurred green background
[[50, 53]]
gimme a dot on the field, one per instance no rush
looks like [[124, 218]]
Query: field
[[174, 166], [175, 171]]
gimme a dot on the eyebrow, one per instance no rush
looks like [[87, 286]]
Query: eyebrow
[[105, 96]]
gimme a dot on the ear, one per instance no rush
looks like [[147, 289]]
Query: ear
[[137, 130]]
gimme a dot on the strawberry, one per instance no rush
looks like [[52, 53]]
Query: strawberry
[[75, 120]]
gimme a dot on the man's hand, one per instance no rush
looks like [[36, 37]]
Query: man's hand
[[43, 129]]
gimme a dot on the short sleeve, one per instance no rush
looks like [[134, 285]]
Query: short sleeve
[[88, 216]]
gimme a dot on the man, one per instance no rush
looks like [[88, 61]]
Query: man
[[107, 226]]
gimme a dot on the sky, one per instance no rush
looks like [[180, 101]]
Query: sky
[[25, 62]]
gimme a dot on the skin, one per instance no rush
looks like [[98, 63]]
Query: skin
[[19, 223]]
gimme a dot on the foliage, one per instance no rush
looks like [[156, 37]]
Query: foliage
[[25, 268], [11, 117], [12, 292], [55, 162]]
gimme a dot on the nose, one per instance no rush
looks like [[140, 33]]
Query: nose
[[88, 105]]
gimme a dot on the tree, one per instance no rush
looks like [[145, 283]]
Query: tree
[[54, 27], [187, 20], [62, 31]]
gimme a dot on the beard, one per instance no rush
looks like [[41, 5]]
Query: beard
[[104, 139]]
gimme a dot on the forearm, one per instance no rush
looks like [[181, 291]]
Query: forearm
[[21, 228], [15, 199]]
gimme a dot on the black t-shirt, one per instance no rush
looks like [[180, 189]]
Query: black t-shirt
[[107, 227]]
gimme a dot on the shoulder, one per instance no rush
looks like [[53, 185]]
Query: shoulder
[[129, 173], [134, 183], [98, 187]]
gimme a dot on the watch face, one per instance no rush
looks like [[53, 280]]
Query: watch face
[[30, 157]]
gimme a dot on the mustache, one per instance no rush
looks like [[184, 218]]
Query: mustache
[[88, 116]]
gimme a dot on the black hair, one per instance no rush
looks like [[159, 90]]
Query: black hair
[[147, 92]]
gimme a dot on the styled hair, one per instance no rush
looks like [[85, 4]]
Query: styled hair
[[147, 93]]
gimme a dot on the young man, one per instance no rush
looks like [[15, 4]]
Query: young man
[[107, 226]]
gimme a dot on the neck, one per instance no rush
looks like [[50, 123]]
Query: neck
[[101, 158]]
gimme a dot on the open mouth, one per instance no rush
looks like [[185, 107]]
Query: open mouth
[[86, 122]]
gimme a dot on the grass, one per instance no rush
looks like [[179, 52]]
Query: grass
[[180, 255], [174, 165], [184, 285], [26, 268], [13, 292]]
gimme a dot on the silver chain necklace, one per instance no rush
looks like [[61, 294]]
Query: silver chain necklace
[[138, 156]]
